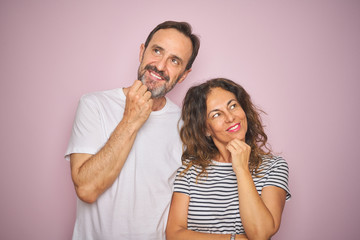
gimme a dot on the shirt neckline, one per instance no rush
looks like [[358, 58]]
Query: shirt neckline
[[164, 109], [220, 163]]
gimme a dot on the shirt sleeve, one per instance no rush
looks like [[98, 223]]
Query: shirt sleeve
[[279, 175], [182, 181], [87, 134]]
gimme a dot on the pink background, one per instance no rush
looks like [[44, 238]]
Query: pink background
[[300, 61]]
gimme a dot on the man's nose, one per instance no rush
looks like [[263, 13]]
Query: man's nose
[[161, 64]]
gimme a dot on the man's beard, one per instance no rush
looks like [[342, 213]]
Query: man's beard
[[160, 91]]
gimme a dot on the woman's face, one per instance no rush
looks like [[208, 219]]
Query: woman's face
[[225, 119]]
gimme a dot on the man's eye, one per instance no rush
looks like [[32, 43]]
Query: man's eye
[[157, 51], [175, 61]]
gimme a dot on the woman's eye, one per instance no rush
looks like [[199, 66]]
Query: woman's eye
[[233, 106], [216, 115]]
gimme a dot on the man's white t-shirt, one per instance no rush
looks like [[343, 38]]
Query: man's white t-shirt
[[136, 205]]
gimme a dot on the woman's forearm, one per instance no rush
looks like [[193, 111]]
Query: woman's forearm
[[255, 216]]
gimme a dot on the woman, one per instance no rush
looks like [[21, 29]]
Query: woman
[[230, 186]]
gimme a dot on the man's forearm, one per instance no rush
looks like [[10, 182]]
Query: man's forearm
[[93, 174]]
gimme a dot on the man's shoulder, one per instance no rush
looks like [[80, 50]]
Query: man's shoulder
[[105, 93], [103, 96]]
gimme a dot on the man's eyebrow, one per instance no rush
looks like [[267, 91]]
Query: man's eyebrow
[[178, 58], [172, 55], [157, 46]]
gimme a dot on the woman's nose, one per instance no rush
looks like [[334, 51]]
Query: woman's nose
[[229, 117]]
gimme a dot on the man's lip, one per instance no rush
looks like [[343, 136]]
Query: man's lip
[[234, 128], [155, 75]]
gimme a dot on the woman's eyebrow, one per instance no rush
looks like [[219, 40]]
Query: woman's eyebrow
[[228, 103], [214, 110]]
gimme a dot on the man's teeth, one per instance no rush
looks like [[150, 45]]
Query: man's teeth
[[154, 75]]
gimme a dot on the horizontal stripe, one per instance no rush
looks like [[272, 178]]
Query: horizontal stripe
[[214, 200]]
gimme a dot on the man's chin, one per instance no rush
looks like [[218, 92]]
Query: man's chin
[[157, 93], [156, 87]]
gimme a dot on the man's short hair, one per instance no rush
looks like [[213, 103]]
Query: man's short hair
[[186, 29]]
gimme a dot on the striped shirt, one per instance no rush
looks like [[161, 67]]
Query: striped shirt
[[214, 201]]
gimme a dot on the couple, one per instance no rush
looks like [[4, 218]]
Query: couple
[[125, 153]]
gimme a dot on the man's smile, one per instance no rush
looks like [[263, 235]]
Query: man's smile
[[155, 73]]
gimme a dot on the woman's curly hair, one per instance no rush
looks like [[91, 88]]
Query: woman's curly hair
[[198, 149]]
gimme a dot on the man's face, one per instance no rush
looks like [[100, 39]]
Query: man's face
[[163, 62]]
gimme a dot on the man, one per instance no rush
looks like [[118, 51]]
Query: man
[[124, 150]]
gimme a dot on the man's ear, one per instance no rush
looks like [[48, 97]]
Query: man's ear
[[184, 75], [142, 50]]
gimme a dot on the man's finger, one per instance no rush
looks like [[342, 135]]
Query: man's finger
[[136, 85], [147, 95], [142, 89]]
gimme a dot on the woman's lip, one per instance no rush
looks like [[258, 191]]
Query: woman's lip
[[234, 128]]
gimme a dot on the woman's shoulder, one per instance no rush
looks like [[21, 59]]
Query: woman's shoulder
[[270, 161], [188, 166]]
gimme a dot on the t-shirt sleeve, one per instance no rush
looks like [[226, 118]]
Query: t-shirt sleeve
[[182, 181], [86, 136], [279, 175]]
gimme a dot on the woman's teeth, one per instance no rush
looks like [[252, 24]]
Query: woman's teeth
[[234, 127]]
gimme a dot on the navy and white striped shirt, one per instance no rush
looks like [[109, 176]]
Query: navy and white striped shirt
[[214, 201]]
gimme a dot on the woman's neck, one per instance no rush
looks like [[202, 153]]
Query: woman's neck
[[223, 156]]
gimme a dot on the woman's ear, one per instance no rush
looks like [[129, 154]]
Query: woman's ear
[[207, 132]]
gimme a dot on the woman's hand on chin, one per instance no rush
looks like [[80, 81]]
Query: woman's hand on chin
[[240, 155]]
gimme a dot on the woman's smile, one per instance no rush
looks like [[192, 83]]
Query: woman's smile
[[234, 128]]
